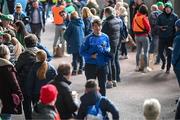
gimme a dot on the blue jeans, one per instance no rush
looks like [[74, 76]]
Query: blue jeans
[[177, 72], [77, 58], [154, 44], [142, 42], [118, 68], [5, 116], [92, 71]]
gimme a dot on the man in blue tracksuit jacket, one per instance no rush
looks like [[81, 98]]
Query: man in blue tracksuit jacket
[[96, 50]]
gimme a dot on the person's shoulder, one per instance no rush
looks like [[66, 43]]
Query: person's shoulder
[[104, 35]]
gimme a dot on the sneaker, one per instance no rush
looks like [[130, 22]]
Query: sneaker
[[147, 69], [167, 71], [126, 57], [114, 84], [80, 71], [109, 85], [74, 73], [163, 66], [137, 68]]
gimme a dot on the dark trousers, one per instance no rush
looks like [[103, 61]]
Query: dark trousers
[[36, 29], [117, 64], [77, 58], [93, 71], [11, 6], [123, 49], [27, 107], [163, 47], [112, 65]]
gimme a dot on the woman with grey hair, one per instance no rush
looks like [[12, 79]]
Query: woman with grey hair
[[10, 93]]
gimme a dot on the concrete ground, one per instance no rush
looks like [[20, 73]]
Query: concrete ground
[[134, 88]]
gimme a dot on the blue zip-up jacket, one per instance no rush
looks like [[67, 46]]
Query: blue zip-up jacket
[[90, 98], [96, 44], [176, 52], [74, 35], [88, 26], [41, 15], [168, 21], [33, 84]]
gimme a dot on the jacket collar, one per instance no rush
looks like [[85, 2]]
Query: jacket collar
[[110, 17], [61, 78], [4, 62]]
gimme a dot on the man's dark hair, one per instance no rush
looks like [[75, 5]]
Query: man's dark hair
[[143, 10], [91, 84], [97, 21], [64, 69], [30, 40], [108, 10]]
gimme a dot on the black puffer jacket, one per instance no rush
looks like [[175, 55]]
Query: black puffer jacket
[[111, 27], [44, 112], [23, 67], [64, 103]]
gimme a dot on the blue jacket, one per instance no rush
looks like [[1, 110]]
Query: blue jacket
[[20, 16], [33, 84], [168, 21], [88, 26], [74, 35], [41, 15], [96, 44], [90, 98], [49, 56], [176, 52]]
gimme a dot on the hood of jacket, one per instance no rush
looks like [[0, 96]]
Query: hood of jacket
[[91, 98], [4, 62], [77, 22]]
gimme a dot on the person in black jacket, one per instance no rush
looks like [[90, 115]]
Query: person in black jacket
[[65, 104], [90, 98], [111, 27], [23, 67]]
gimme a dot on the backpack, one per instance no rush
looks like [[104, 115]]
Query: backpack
[[94, 112]]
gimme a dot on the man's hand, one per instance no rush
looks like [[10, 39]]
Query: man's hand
[[94, 56]]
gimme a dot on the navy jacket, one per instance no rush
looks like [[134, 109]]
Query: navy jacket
[[90, 98], [96, 44], [64, 103], [176, 52], [33, 84], [168, 21], [88, 26], [74, 35], [111, 27]]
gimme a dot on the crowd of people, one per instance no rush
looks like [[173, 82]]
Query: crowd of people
[[97, 35]]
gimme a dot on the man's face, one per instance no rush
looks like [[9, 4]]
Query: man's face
[[18, 9], [35, 4], [138, 2], [161, 7], [168, 10], [1, 39], [96, 28], [5, 23]]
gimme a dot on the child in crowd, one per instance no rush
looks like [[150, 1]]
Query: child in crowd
[[90, 98], [46, 109]]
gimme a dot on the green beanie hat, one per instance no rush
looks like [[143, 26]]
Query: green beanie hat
[[68, 1], [160, 4], [6, 17], [168, 4]]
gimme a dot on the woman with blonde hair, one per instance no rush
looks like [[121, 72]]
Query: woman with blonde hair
[[87, 18], [41, 73], [10, 92]]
